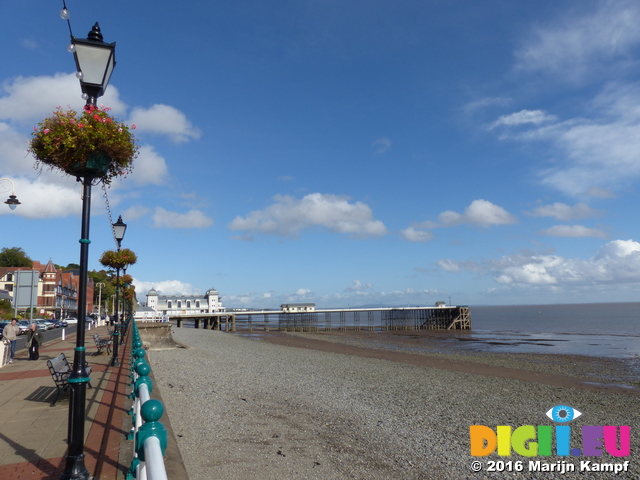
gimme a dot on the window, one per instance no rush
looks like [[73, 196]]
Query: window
[[188, 303], [179, 304], [197, 303], [169, 304]]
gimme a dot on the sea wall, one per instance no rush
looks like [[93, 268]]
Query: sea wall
[[156, 336]]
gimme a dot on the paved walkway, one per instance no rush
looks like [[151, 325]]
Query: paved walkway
[[33, 434]]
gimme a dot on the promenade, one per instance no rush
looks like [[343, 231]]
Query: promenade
[[33, 434]]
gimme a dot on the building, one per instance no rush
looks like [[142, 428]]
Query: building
[[184, 305], [57, 289], [298, 307]]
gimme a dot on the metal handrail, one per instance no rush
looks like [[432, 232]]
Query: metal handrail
[[149, 435]]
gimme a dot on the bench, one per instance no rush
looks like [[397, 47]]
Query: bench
[[102, 343], [60, 371]]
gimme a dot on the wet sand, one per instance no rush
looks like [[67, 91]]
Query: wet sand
[[434, 349]]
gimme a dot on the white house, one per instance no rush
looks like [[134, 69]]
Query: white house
[[177, 305], [298, 307]]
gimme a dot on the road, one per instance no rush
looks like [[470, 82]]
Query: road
[[47, 335]]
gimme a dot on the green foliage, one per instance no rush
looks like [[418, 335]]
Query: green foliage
[[6, 312], [14, 257], [118, 258], [109, 289], [69, 141]]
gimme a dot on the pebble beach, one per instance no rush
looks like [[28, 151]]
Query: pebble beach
[[336, 406]]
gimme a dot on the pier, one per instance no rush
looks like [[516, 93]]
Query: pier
[[356, 319]]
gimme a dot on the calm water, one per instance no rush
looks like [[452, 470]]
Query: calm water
[[601, 329], [604, 329]]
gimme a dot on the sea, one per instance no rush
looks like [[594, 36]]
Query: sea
[[592, 329]]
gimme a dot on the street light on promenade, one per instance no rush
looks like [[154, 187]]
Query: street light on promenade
[[118, 231], [100, 286], [12, 201], [95, 60]]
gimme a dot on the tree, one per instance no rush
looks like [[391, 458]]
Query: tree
[[14, 257], [102, 276], [6, 312]]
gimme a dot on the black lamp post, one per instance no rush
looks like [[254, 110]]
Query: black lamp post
[[95, 61], [118, 231]]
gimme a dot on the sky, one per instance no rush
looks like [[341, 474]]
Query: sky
[[344, 152]]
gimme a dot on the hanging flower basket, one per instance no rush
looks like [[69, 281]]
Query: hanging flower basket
[[90, 144], [118, 258]]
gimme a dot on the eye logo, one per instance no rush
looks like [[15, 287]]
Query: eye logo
[[563, 414]]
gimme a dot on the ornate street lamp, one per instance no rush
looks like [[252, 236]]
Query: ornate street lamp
[[119, 228], [95, 60], [12, 201]]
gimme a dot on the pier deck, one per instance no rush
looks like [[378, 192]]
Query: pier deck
[[371, 319]]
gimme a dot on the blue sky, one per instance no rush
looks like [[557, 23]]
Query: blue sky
[[345, 152]]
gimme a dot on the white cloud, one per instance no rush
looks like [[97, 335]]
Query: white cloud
[[480, 213], [358, 286], [192, 219], [577, 46], [449, 265], [616, 262], [410, 234], [486, 103], [21, 103], [135, 212], [164, 120], [381, 145], [564, 212], [574, 231], [288, 216], [163, 287], [149, 168], [523, 117], [40, 199], [599, 192], [594, 155]]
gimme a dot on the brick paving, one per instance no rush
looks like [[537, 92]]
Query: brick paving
[[33, 435]]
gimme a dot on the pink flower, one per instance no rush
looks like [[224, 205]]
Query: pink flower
[[46, 130], [120, 129], [133, 125], [80, 125]]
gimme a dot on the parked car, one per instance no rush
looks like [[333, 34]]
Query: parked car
[[23, 325], [63, 323], [41, 324], [71, 320], [2, 325]]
